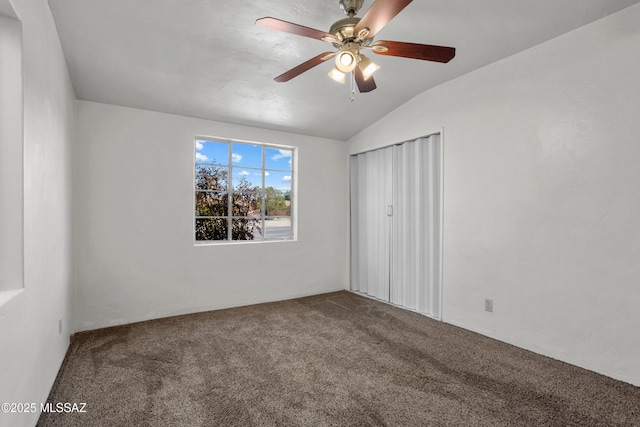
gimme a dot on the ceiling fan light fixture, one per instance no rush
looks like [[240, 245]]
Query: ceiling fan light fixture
[[367, 66], [346, 61], [337, 75]]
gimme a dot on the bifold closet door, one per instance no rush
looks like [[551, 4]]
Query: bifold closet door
[[395, 224], [371, 182], [415, 242]]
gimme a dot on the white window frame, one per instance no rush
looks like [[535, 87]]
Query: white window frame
[[263, 217]]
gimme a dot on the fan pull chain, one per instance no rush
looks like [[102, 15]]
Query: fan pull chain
[[353, 87]]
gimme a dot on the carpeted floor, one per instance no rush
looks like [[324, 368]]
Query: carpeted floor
[[331, 360]]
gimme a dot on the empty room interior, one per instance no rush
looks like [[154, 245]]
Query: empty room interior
[[319, 212]]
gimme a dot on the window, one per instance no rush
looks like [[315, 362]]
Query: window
[[243, 191]]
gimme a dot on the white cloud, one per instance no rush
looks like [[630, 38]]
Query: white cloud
[[266, 173], [235, 157], [281, 155], [199, 146], [286, 178], [201, 157], [244, 173]]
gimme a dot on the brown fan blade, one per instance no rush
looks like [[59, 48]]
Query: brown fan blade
[[288, 27], [305, 66], [379, 14], [425, 52], [364, 85]]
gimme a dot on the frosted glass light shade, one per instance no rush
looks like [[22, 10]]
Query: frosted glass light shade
[[337, 75], [367, 66], [345, 61]]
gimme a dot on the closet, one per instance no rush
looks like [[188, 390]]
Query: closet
[[396, 224]]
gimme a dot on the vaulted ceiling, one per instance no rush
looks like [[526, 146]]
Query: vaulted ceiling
[[208, 59]]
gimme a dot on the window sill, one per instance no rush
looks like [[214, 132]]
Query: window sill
[[239, 242], [6, 296]]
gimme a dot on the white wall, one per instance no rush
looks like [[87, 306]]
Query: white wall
[[133, 218], [542, 194], [32, 348]]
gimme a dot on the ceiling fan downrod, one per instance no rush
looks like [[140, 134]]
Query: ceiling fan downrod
[[351, 7]]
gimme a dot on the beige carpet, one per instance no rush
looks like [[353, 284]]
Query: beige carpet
[[332, 360]]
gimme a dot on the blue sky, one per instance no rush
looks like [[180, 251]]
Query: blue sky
[[246, 159]]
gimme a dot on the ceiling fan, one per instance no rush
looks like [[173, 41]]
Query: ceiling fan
[[351, 35]]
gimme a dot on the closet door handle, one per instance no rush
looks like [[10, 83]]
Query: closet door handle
[[390, 210]]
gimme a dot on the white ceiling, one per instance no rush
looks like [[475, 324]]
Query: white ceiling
[[208, 59]]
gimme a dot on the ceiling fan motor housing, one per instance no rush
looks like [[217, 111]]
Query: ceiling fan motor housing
[[344, 28], [351, 7]]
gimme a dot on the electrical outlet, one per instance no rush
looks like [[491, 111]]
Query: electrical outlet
[[59, 326], [488, 305]]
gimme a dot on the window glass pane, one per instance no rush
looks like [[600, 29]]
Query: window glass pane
[[278, 180], [247, 179], [211, 178], [247, 204], [246, 229], [211, 203], [276, 202], [211, 229], [276, 158], [247, 155], [211, 152], [278, 229]]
